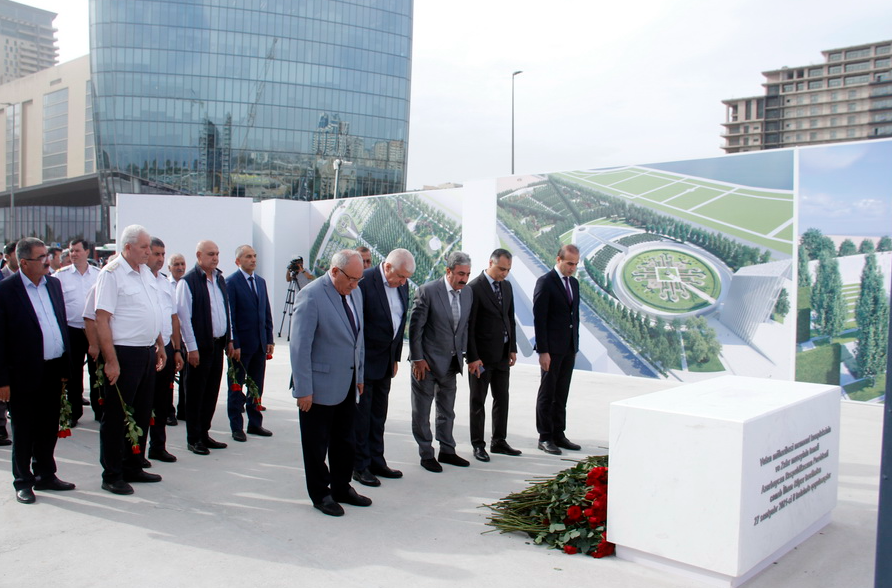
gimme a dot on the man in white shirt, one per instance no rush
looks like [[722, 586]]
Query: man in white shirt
[[128, 324], [203, 308], [176, 268], [170, 336], [77, 279]]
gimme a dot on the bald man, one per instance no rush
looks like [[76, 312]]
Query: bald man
[[203, 310]]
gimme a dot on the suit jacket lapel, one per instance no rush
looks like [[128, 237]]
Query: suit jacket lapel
[[338, 305], [24, 298]]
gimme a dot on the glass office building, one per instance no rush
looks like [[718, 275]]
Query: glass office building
[[303, 99]]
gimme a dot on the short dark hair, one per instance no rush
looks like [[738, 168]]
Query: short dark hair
[[83, 243], [53, 250], [156, 242], [24, 247], [499, 254], [10, 247], [568, 248]]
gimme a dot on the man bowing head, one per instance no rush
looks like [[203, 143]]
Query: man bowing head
[[327, 354]]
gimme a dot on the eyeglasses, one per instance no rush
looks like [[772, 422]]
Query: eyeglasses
[[351, 278], [40, 258]]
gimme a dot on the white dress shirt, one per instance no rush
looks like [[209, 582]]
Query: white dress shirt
[[393, 299], [184, 311], [167, 301], [53, 344], [75, 286], [131, 296]]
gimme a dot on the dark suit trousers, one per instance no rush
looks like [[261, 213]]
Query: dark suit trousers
[[162, 400], [255, 364], [551, 403], [371, 414], [328, 430], [203, 385], [137, 386], [79, 347], [496, 377], [35, 424]]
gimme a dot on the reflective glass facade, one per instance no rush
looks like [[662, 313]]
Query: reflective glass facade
[[260, 99]]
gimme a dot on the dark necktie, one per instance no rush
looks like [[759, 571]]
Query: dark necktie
[[569, 291], [253, 289], [497, 286], [350, 316]]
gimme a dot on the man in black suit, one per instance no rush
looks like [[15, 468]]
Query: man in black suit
[[556, 322], [252, 341], [203, 308], [385, 294], [492, 350], [34, 361]]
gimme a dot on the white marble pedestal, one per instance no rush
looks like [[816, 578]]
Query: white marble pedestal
[[718, 479]]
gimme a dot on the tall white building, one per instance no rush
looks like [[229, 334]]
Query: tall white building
[[27, 40]]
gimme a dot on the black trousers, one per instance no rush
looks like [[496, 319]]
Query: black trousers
[[551, 403], [137, 388], [368, 426], [203, 385], [236, 401], [161, 403], [496, 377], [328, 430], [35, 424], [79, 347]]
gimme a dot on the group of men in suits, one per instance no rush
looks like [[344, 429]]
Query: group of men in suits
[[361, 315]]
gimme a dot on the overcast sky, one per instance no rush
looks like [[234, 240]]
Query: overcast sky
[[631, 82]]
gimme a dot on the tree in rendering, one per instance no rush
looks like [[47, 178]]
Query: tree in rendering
[[827, 302], [872, 314]]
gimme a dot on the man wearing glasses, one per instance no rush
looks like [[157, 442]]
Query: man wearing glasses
[[34, 348], [327, 354]]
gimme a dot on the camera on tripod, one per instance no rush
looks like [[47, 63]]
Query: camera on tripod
[[296, 266]]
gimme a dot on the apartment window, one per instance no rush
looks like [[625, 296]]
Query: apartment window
[[835, 57], [852, 106], [815, 98], [881, 117], [852, 120], [813, 136], [857, 53], [852, 80], [853, 94], [834, 121], [788, 138], [800, 112], [815, 85], [886, 62], [799, 124], [800, 137], [860, 66], [814, 110], [800, 86], [883, 76], [746, 140], [816, 72], [89, 155], [800, 99], [834, 70], [813, 123], [748, 113], [834, 95], [834, 108], [884, 91], [882, 104], [832, 134], [850, 133], [834, 82], [746, 128], [788, 88], [884, 49]]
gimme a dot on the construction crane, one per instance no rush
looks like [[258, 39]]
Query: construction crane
[[258, 93]]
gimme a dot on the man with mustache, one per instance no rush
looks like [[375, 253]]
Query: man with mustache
[[438, 336]]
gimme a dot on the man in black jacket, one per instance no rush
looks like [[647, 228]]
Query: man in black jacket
[[556, 322], [492, 350], [34, 361]]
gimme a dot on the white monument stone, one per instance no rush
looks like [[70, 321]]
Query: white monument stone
[[720, 478]]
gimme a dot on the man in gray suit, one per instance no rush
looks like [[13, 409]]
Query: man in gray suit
[[327, 349], [438, 335]]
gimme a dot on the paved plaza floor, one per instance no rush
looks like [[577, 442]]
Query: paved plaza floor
[[241, 516]]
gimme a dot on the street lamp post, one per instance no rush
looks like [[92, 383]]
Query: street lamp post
[[514, 75], [13, 175]]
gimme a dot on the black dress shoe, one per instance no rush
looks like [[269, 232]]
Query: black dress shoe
[[198, 448], [25, 496], [549, 447], [481, 454], [118, 487], [162, 455], [453, 459], [239, 436], [431, 465], [5, 441], [54, 484], [330, 507], [503, 448], [146, 464], [211, 444], [567, 444], [141, 477], [352, 498], [172, 421], [259, 431], [366, 478], [385, 472], [85, 401]]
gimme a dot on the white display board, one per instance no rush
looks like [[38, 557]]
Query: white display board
[[718, 479]]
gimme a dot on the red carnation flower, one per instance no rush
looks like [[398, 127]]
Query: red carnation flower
[[269, 356], [135, 449], [597, 476], [574, 513], [64, 433], [171, 385], [570, 550], [101, 401], [604, 549], [152, 422], [236, 388]]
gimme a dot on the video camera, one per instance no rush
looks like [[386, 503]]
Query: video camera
[[296, 265]]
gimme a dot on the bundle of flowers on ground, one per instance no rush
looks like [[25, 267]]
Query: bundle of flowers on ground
[[567, 511]]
